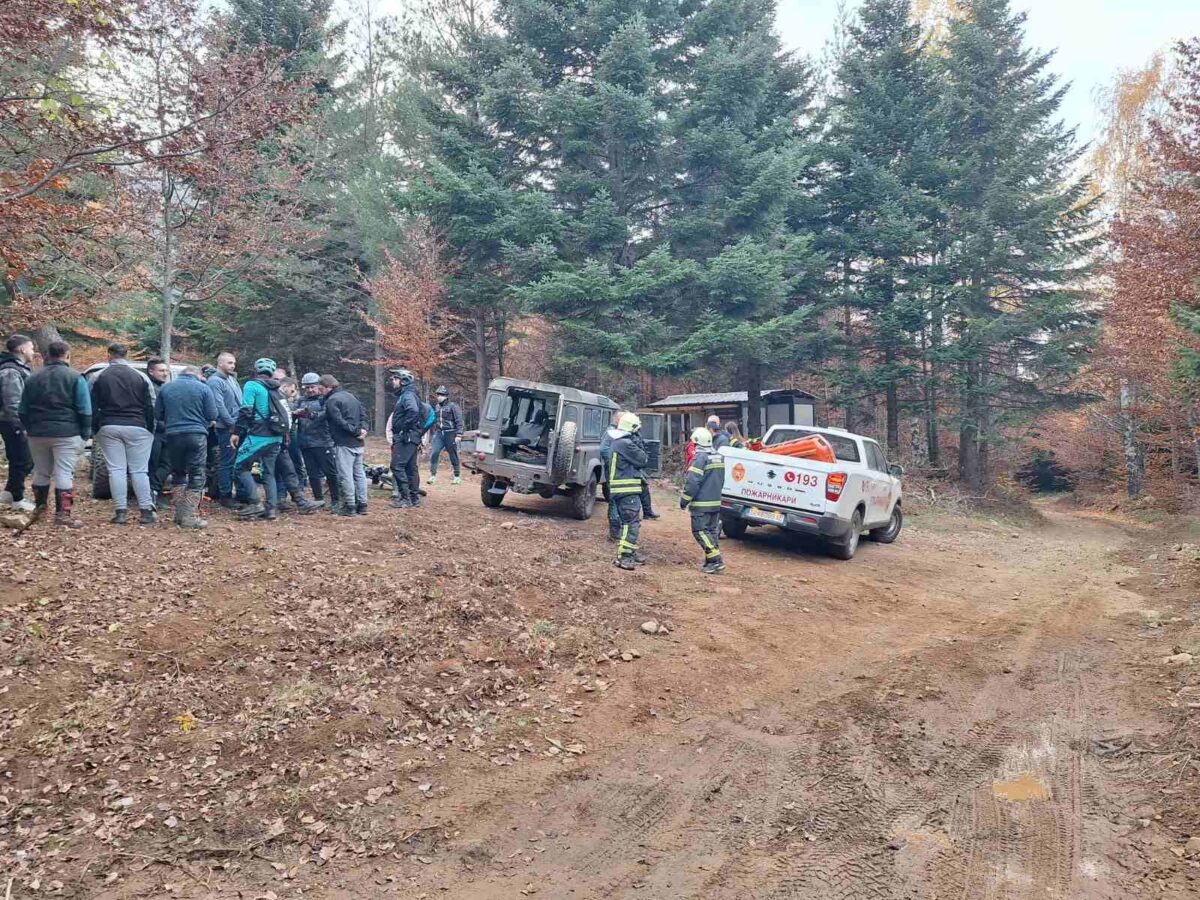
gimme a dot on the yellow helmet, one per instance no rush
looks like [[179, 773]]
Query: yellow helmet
[[629, 422], [702, 437]]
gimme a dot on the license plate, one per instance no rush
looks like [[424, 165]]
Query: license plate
[[769, 514], [486, 445]]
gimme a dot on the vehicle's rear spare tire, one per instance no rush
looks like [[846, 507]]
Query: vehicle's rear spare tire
[[733, 526], [847, 547], [101, 489], [583, 499], [888, 533], [490, 500], [564, 452]]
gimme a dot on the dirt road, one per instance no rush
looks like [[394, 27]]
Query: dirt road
[[967, 713]]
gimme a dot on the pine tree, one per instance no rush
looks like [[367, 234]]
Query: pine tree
[[885, 145], [1022, 228]]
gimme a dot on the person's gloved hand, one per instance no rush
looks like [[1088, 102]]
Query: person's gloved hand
[[682, 503]]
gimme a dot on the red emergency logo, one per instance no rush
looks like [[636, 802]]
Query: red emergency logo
[[789, 477]]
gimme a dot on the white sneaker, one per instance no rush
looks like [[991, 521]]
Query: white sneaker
[[24, 506], [457, 480], [431, 479], [6, 499]]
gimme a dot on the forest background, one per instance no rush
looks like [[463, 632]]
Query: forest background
[[637, 197]]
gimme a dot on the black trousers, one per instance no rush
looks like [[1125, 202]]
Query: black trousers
[[286, 479], [160, 465], [187, 455], [647, 509], [20, 462], [404, 471], [318, 463]]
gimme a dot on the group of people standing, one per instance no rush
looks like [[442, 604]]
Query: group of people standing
[[203, 430]]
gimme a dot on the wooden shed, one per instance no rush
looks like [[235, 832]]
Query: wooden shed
[[684, 412]]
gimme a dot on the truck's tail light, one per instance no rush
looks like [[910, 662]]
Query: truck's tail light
[[835, 483]]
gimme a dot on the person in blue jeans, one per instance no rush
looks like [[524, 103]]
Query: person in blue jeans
[[228, 394], [258, 439]]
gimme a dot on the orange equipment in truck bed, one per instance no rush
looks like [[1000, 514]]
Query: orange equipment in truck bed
[[812, 447]]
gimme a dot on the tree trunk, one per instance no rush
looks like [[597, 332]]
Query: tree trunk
[[482, 369], [753, 379], [1135, 461], [893, 405], [932, 437], [380, 386], [971, 461], [43, 336], [1194, 428]]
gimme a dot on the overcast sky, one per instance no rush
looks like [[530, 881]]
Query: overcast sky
[[1094, 38]]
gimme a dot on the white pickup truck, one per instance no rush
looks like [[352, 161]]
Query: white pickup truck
[[833, 501]]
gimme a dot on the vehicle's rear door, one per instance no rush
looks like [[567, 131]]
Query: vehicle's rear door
[[877, 485], [786, 482]]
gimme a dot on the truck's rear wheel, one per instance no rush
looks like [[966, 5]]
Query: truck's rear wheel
[[583, 499], [734, 527], [490, 500], [891, 531], [846, 548], [564, 453]]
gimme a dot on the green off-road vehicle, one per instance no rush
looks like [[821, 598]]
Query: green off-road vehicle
[[539, 439]]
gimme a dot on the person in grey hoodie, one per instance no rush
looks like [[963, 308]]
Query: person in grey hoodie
[[15, 363]]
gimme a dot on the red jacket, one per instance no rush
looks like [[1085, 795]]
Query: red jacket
[[691, 454]]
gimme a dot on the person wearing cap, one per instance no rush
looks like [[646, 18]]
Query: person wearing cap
[[257, 438], [407, 428], [347, 428], [625, 476], [720, 438], [447, 430], [702, 498], [313, 439]]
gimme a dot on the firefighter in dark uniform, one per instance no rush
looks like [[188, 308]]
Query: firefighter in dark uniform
[[702, 498], [407, 429], [625, 478]]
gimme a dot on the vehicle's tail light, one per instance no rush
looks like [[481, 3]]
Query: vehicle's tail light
[[835, 483]]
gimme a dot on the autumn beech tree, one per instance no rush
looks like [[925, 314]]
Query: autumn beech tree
[[415, 328]]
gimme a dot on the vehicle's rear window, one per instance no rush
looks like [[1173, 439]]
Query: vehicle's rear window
[[492, 409], [844, 448]]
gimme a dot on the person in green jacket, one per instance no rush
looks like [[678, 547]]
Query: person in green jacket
[[262, 422]]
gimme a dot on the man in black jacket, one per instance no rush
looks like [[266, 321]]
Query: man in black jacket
[[123, 417], [347, 429], [447, 429], [312, 437], [15, 363], [407, 429], [56, 413]]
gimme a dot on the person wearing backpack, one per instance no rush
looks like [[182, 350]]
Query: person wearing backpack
[[409, 420], [261, 424]]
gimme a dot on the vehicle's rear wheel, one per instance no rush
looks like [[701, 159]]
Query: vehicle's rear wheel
[[891, 531], [490, 500], [846, 548], [101, 489], [564, 452], [734, 527], [583, 499]]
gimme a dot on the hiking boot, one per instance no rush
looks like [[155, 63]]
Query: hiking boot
[[148, 517], [716, 567], [271, 513], [162, 503], [625, 563], [63, 501], [286, 505], [253, 511], [120, 517], [185, 510], [414, 501], [400, 503], [457, 479], [651, 515], [306, 507], [343, 511], [431, 479], [360, 509], [41, 496], [229, 503]]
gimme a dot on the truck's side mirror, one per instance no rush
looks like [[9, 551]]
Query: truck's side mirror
[[896, 469]]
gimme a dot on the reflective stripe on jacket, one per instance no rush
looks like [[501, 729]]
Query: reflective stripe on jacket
[[625, 469], [705, 481]]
